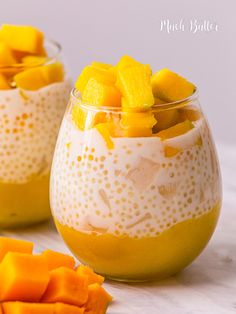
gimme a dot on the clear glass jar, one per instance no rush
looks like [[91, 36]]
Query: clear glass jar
[[135, 204], [29, 124]]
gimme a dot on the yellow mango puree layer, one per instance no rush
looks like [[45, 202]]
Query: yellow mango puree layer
[[147, 258], [24, 204]]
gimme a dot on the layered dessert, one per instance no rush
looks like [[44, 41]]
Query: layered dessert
[[33, 93], [135, 184]]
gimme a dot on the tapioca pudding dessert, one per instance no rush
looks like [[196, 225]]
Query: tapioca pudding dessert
[[135, 182], [34, 87]]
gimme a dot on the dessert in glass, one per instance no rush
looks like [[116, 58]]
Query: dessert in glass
[[135, 182], [34, 87]]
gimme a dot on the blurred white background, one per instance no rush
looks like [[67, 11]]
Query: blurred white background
[[106, 29]]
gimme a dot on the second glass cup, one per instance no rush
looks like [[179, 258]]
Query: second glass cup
[[29, 122], [135, 202]]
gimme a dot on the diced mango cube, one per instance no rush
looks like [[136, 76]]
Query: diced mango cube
[[27, 308], [66, 286], [4, 82], [126, 61], [137, 124], [176, 130], [99, 94], [103, 129], [171, 151], [22, 38], [61, 308], [166, 119], [24, 277], [38, 77], [135, 86], [6, 55], [170, 87], [92, 276], [55, 260], [97, 73], [189, 114], [14, 245], [34, 60], [98, 299]]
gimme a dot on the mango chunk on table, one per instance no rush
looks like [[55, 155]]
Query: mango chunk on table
[[23, 277], [14, 245], [92, 276], [55, 260], [170, 87], [66, 286], [98, 300], [22, 38]]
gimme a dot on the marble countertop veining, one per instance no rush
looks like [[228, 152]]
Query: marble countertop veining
[[207, 286]]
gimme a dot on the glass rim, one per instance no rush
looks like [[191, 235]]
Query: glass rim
[[48, 59], [76, 96]]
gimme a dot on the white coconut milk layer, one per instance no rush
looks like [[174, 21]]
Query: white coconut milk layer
[[133, 189], [29, 123]]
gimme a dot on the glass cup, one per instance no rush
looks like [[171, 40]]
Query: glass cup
[[135, 203], [29, 124]]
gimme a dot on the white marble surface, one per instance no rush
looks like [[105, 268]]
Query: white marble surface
[[207, 286]]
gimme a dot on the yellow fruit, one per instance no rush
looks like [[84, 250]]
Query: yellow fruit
[[4, 83], [100, 94], [33, 60], [158, 101], [98, 73], [103, 129], [169, 86], [85, 118], [171, 151], [189, 114], [22, 38], [6, 55], [135, 86], [137, 124], [176, 130], [166, 119], [35, 78], [126, 61]]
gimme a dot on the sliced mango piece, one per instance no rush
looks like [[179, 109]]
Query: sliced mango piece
[[158, 101], [98, 299], [103, 129], [99, 94], [92, 276], [61, 308], [22, 38], [171, 151], [176, 130], [85, 119], [169, 86], [166, 119], [27, 308], [24, 277], [36, 78], [189, 114], [55, 260], [66, 286], [137, 124], [97, 73], [34, 60], [135, 86], [6, 55], [126, 61], [14, 245], [4, 82]]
